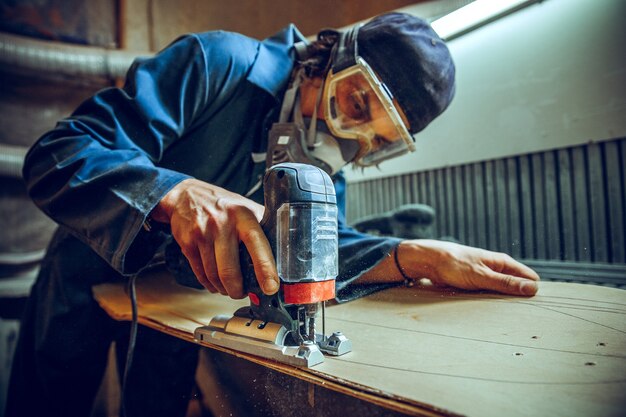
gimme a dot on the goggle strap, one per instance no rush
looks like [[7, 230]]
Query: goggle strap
[[298, 119], [290, 98], [302, 50], [346, 53], [310, 137]]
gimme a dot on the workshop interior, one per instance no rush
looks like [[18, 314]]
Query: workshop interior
[[529, 159]]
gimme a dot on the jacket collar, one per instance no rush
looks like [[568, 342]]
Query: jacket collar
[[274, 62]]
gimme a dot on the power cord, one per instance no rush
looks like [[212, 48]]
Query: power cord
[[157, 262], [131, 342]]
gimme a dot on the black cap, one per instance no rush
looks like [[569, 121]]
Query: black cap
[[412, 61]]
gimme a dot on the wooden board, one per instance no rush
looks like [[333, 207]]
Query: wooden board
[[427, 351]]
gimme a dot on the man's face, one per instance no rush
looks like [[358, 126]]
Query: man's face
[[360, 105], [358, 108]]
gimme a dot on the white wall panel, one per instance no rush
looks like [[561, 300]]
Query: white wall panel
[[549, 76]]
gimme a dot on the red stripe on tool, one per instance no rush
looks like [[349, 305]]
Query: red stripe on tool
[[254, 298], [309, 292]]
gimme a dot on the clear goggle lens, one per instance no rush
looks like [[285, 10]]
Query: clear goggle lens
[[359, 107]]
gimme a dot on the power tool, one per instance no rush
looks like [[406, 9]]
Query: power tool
[[300, 222]]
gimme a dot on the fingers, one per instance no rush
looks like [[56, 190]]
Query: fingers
[[208, 223], [248, 230], [209, 266], [518, 269], [501, 262], [508, 284], [216, 267], [197, 266], [228, 264], [216, 263], [260, 251]]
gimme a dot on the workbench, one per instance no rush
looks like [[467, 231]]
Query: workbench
[[423, 351]]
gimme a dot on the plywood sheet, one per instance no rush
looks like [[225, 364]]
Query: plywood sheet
[[429, 351]]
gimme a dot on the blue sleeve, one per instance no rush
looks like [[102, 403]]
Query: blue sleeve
[[358, 253], [97, 172]]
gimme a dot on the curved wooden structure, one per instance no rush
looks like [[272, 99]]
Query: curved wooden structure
[[427, 351]]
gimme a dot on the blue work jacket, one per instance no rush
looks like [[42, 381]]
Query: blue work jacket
[[200, 108]]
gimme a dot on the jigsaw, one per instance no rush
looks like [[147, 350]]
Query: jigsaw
[[300, 222]]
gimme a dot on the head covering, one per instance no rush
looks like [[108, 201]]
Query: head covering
[[414, 63]]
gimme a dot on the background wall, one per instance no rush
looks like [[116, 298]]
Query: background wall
[[549, 76], [152, 24], [530, 158]]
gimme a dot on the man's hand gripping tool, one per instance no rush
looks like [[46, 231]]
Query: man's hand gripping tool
[[300, 222]]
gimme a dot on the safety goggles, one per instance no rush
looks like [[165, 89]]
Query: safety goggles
[[359, 106]]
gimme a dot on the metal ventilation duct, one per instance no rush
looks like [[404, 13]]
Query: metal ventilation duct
[[45, 57]]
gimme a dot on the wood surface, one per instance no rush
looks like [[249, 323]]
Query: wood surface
[[427, 351]]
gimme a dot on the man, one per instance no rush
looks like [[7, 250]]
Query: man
[[184, 144]]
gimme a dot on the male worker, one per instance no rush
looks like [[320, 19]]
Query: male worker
[[184, 143]]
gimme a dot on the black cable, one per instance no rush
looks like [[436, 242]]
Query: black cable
[[158, 261], [131, 341]]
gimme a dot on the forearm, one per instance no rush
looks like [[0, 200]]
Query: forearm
[[99, 171], [412, 257], [101, 196]]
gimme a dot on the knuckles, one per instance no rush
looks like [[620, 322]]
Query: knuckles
[[265, 265], [509, 282], [229, 273]]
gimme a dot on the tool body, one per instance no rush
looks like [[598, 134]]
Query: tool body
[[300, 222]]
